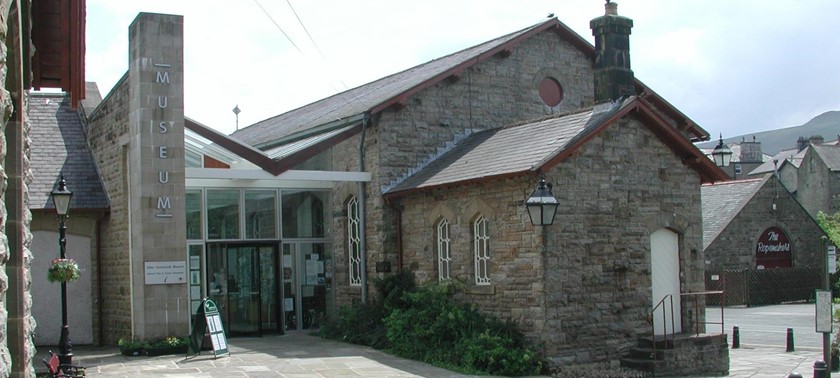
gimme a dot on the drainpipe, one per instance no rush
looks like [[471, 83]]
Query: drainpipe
[[399, 239], [362, 217], [99, 277]]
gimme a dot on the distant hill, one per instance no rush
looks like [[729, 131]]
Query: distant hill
[[773, 141]]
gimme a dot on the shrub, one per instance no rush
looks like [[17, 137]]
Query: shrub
[[427, 324]]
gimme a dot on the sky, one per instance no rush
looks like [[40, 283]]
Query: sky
[[734, 67]]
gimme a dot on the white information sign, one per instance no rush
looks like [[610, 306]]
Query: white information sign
[[823, 311], [165, 272], [832, 259]]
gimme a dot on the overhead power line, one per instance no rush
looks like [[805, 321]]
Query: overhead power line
[[278, 27]]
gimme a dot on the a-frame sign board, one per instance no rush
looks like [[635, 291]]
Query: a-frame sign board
[[207, 319]]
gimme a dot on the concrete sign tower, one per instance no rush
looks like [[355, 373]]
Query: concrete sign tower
[[156, 176]]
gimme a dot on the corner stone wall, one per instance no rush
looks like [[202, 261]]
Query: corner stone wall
[[107, 136], [617, 190]]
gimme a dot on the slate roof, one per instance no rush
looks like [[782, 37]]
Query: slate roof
[[59, 147], [790, 156], [830, 155], [504, 151], [722, 201], [348, 107], [537, 145], [363, 98]]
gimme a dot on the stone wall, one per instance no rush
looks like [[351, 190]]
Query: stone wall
[[17, 326], [619, 188], [107, 135], [734, 248], [581, 288], [816, 183]]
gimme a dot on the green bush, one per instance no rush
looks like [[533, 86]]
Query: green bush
[[427, 324]]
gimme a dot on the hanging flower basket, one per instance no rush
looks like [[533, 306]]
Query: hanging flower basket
[[63, 270]]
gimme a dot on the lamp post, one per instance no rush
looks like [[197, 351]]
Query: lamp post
[[61, 200], [541, 205], [722, 154]]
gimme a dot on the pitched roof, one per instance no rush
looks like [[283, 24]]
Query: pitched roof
[[722, 201], [347, 107], [59, 147], [830, 155], [515, 150], [791, 156]]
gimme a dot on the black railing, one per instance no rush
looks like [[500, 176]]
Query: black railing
[[667, 302]]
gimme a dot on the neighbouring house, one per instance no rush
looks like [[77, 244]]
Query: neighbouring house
[[57, 135], [811, 172], [818, 179], [757, 224], [746, 157]]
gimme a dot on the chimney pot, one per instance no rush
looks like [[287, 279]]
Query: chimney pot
[[611, 9]]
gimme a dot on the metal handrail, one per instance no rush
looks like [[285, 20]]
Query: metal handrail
[[670, 299]]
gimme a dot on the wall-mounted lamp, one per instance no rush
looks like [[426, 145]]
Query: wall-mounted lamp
[[722, 154], [541, 205]]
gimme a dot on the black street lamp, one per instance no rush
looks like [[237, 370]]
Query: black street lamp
[[542, 206], [61, 200], [722, 154]]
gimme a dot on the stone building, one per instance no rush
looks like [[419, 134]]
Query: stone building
[[818, 179], [452, 156], [57, 135], [747, 156], [288, 219], [43, 48], [810, 172], [742, 217]]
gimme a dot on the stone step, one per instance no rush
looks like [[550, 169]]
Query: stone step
[[646, 365]]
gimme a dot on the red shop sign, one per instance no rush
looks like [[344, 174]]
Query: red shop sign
[[773, 249]]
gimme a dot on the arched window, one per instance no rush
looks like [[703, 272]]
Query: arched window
[[354, 242], [444, 253], [481, 249]]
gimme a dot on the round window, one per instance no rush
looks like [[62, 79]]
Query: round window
[[551, 92]]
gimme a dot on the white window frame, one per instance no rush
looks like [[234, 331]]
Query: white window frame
[[354, 242], [481, 249], [444, 245]]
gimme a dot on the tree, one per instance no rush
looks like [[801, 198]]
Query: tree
[[831, 225]]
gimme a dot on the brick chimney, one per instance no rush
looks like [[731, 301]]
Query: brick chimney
[[613, 76]]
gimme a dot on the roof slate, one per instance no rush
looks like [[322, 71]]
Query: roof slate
[[363, 98], [722, 201], [829, 154], [791, 156], [59, 147], [509, 150]]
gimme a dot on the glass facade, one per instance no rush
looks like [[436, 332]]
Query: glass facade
[[260, 283], [223, 214], [193, 206], [260, 214]]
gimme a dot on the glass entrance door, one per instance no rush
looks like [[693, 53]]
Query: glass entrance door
[[244, 285]]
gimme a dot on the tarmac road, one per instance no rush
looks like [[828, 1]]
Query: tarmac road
[[767, 325]]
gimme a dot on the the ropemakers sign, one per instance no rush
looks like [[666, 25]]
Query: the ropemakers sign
[[773, 249]]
